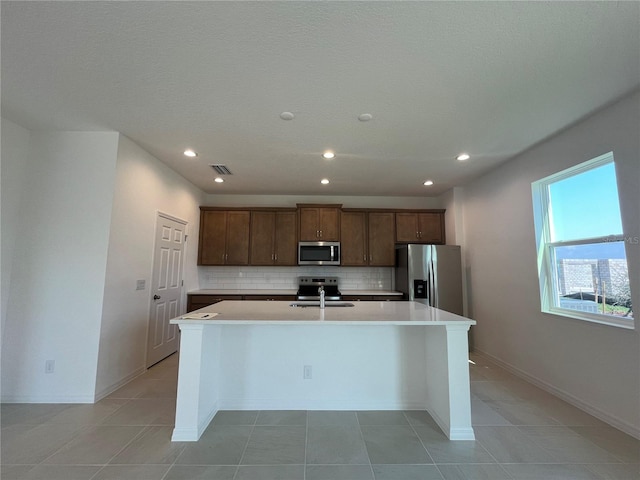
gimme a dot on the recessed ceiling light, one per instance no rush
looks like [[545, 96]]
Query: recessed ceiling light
[[190, 153], [365, 117], [287, 116], [218, 180], [463, 156], [324, 181], [428, 183], [328, 154]]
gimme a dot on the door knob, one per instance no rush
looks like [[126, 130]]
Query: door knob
[[156, 297]]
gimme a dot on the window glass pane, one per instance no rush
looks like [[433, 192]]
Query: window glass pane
[[585, 205], [593, 278]]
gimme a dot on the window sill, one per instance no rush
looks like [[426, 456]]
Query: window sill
[[599, 319]]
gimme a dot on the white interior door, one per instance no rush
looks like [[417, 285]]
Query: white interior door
[[166, 288]]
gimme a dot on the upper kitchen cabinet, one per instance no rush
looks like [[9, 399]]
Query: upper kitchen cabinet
[[420, 227], [319, 223], [273, 237], [367, 238], [224, 237], [382, 249]]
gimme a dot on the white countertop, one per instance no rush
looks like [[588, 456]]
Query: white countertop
[[286, 292], [362, 313]]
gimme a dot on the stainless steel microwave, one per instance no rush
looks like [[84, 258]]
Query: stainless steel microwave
[[318, 253]]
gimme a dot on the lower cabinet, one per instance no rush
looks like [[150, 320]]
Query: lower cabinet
[[372, 298], [198, 301], [282, 298]]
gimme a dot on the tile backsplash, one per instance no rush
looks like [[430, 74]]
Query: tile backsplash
[[285, 278]]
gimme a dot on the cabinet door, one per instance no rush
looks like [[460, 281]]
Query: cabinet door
[[211, 248], [319, 223], [309, 224], [353, 228], [286, 245], [262, 238], [381, 239], [237, 251], [406, 227], [329, 224], [431, 227]]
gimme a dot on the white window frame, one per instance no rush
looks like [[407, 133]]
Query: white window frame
[[545, 247]]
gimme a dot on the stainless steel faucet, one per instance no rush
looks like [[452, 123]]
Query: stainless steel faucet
[[321, 292]]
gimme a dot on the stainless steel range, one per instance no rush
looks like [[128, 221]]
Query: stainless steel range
[[309, 288]]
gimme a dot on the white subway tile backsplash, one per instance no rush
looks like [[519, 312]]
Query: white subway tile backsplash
[[285, 278]]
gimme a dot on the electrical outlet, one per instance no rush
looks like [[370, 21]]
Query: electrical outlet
[[307, 372], [140, 284], [49, 366]]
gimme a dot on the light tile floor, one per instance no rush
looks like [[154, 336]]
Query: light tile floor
[[523, 433]]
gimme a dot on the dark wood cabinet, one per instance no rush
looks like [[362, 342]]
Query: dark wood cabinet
[[196, 302], [420, 227], [268, 236], [319, 223], [367, 238], [372, 298], [281, 298], [224, 237], [353, 241], [382, 248], [273, 238]]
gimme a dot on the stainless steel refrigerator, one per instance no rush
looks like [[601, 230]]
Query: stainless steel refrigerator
[[430, 274]]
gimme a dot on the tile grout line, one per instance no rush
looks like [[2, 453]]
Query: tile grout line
[[253, 427], [373, 474]]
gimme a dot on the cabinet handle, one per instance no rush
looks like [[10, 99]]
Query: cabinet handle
[[320, 233], [364, 257], [275, 257]]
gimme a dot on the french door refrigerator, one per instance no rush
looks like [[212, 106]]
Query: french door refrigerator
[[430, 274]]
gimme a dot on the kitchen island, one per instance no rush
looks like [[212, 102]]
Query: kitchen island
[[269, 355]]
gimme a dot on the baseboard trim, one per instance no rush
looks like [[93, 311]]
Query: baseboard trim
[[47, 399], [112, 388], [194, 434], [564, 395]]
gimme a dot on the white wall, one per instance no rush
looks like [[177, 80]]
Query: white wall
[[346, 201], [143, 186], [57, 279], [596, 367], [14, 157]]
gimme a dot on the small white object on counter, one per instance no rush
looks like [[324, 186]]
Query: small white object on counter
[[372, 356]]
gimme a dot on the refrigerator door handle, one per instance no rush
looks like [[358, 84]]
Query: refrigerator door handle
[[431, 284]]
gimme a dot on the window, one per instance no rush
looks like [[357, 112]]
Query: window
[[582, 263]]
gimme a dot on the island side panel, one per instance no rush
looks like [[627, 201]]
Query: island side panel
[[198, 381], [353, 367], [447, 372]]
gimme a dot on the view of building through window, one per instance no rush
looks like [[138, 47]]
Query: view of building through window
[[584, 246]]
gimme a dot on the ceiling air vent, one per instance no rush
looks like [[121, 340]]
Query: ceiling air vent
[[221, 169]]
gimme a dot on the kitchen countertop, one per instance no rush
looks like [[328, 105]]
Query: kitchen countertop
[[286, 292], [361, 313]]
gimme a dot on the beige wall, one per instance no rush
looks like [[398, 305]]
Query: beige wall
[[594, 366]]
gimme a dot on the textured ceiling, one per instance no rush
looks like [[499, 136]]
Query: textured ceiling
[[439, 78]]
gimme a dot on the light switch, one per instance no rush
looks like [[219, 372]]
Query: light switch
[[140, 284]]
